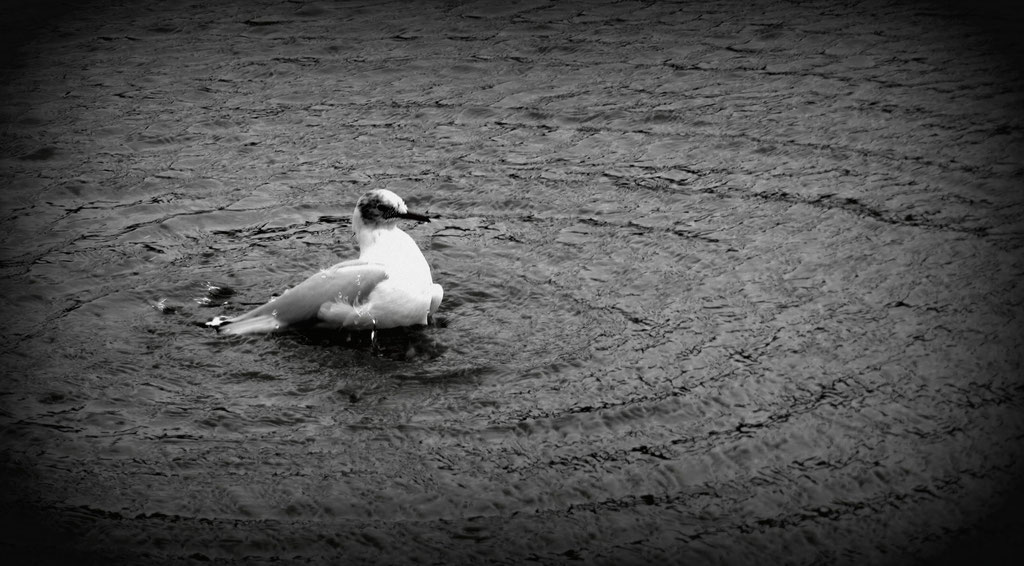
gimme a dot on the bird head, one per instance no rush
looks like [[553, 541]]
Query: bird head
[[379, 208]]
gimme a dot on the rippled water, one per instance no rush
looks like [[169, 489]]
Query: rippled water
[[722, 284]]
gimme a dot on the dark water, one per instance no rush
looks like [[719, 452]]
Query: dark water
[[725, 283]]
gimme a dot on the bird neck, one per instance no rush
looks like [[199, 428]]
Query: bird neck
[[380, 242], [397, 250]]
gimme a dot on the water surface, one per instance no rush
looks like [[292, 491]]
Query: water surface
[[722, 284]]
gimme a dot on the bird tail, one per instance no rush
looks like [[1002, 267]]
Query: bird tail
[[253, 325]]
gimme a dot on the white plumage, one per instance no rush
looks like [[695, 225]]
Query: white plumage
[[388, 286]]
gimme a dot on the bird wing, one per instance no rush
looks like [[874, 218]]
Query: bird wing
[[348, 282]]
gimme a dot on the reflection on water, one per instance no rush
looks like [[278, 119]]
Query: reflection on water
[[720, 286]]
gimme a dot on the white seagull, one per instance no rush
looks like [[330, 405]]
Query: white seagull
[[387, 287]]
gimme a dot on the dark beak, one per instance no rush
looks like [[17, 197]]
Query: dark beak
[[414, 216]]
